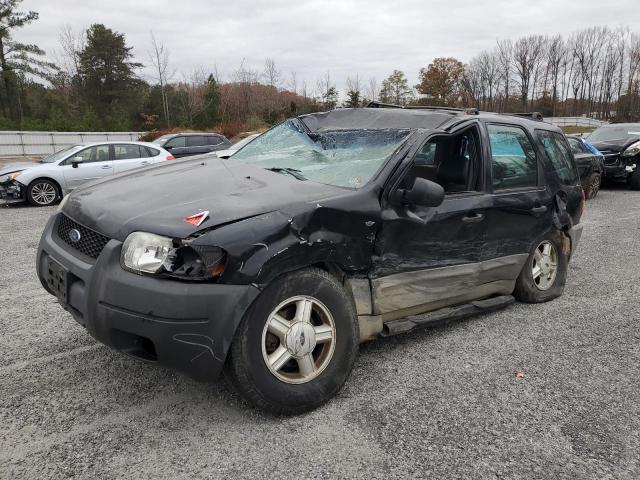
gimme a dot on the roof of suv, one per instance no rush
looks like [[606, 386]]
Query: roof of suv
[[380, 116]]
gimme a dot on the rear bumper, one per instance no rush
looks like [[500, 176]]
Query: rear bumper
[[185, 326]]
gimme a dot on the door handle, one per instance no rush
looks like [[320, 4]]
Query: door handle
[[145, 163], [105, 167], [540, 209], [478, 217]]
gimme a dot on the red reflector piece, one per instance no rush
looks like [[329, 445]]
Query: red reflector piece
[[197, 219], [170, 157]]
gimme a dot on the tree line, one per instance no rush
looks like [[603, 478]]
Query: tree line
[[94, 83]]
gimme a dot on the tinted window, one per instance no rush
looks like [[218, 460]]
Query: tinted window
[[195, 141], [175, 142], [99, 153], [427, 154], [577, 147], [213, 140], [513, 158], [556, 148], [152, 152], [124, 152]]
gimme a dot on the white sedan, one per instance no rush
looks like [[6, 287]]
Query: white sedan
[[46, 182]]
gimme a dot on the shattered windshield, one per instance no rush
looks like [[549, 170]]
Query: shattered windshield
[[344, 158], [609, 134]]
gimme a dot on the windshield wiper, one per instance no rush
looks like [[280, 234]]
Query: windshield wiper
[[294, 172]]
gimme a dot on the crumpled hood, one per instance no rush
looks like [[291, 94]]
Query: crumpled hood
[[618, 145], [157, 199], [16, 167]]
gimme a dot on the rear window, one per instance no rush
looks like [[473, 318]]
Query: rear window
[[557, 149]]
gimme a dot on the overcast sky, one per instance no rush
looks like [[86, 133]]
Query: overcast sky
[[345, 37]]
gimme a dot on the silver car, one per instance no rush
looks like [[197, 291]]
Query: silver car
[[46, 182]]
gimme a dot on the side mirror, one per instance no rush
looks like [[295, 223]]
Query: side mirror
[[424, 193], [75, 161], [168, 148]]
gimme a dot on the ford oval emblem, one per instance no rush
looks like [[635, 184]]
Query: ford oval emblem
[[74, 235]]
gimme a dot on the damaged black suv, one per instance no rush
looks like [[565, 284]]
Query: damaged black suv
[[328, 230]]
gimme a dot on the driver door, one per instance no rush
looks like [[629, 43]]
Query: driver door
[[428, 257], [96, 163]]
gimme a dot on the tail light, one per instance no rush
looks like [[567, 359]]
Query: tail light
[[171, 157], [583, 203]]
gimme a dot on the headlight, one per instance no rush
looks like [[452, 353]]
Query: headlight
[[9, 176], [632, 151], [154, 254], [145, 252]]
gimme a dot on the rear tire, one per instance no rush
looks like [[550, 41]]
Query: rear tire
[[633, 180], [593, 186], [42, 193], [268, 362], [544, 274]]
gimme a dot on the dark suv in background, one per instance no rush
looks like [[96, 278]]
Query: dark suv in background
[[185, 144], [620, 145]]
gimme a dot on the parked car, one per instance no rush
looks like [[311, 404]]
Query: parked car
[[620, 145], [328, 230], [236, 146], [590, 163], [185, 144], [46, 182]]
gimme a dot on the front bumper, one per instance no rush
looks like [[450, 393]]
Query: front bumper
[[12, 192], [185, 326]]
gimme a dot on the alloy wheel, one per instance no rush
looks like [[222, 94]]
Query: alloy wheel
[[43, 193], [545, 265], [298, 340]]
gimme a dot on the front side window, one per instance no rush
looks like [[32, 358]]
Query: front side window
[[175, 142], [99, 153], [513, 158], [125, 152], [344, 158], [556, 148]]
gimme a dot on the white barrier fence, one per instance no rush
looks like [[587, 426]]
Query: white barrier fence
[[38, 144], [575, 121]]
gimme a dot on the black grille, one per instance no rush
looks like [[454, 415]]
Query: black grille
[[90, 243], [610, 158]]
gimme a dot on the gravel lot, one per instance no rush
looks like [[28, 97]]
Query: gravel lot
[[441, 403]]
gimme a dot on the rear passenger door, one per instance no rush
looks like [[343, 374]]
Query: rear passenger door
[[196, 145], [129, 156], [522, 207]]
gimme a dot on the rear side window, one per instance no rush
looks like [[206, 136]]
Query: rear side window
[[195, 141], [513, 158], [125, 152], [556, 147], [152, 152]]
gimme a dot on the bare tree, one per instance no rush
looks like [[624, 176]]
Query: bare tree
[[293, 82], [527, 53], [505, 61], [71, 42], [373, 89], [159, 56]]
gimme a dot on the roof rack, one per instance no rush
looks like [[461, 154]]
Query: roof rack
[[537, 116], [468, 111]]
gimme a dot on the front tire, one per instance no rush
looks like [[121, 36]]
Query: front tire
[[42, 193], [296, 345], [544, 274]]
